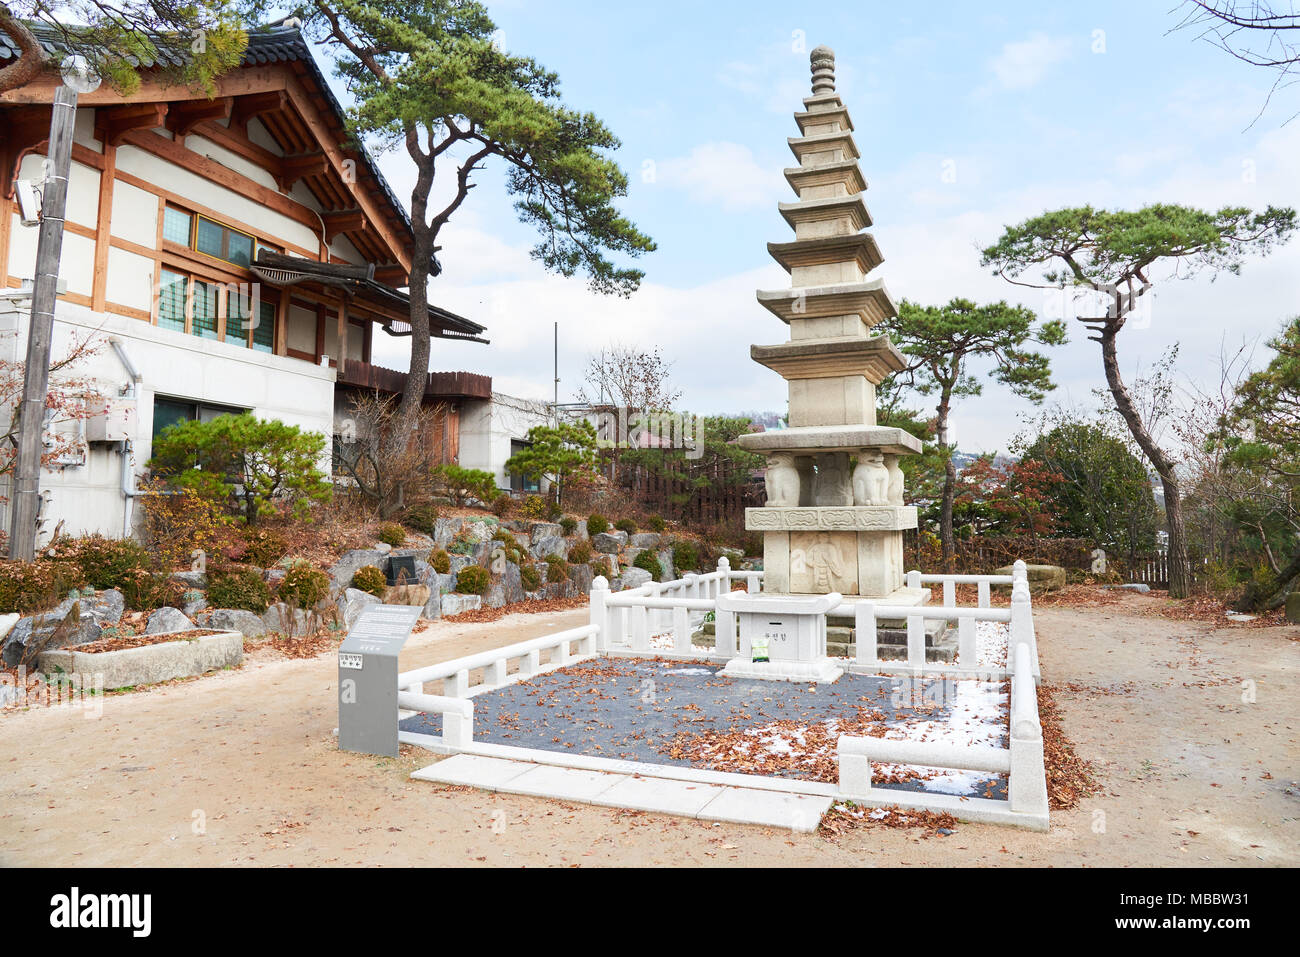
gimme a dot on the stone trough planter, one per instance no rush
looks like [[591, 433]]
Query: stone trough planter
[[148, 664]]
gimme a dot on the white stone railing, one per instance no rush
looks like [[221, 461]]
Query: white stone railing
[[1021, 761], [1019, 616], [622, 623], [983, 583], [628, 618], [454, 704]]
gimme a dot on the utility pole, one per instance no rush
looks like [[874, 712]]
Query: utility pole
[[555, 404], [40, 333]]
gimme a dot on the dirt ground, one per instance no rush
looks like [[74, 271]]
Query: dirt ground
[[240, 768]]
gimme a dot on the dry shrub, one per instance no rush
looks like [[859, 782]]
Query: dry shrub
[[179, 524], [390, 477]]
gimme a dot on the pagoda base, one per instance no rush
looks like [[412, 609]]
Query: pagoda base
[[818, 561]]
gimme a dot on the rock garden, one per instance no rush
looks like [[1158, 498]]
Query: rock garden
[[297, 585]]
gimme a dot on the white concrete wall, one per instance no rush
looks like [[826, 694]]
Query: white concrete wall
[[88, 498], [487, 428]]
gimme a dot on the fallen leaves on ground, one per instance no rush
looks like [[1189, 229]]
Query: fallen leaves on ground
[[1069, 777], [122, 642], [847, 816], [529, 607], [301, 646]]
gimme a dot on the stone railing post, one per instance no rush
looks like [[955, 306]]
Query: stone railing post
[[596, 611], [864, 633], [1027, 790], [967, 646], [1022, 623]]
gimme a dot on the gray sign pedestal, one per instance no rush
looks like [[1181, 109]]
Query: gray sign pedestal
[[368, 678]]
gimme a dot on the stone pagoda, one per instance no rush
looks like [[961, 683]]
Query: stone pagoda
[[834, 517]]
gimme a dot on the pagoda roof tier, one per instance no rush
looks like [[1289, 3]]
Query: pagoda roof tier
[[806, 119], [812, 439], [823, 102], [859, 248], [871, 356], [842, 140], [870, 300], [828, 174], [830, 208]]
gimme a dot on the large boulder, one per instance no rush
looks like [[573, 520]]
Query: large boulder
[[1293, 606], [104, 607], [59, 628], [1041, 577], [165, 620], [407, 595], [582, 577], [191, 579], [549, 545], [609, 542], [438, 584], [455, 603], [645, 540], [545, 530], [635, 577], [506, 589], [352, 603], [63, 627], [283, 619], [195, 602], [419, 554], [432, 607], [445, 529], [666, 563], [247, 623], [342, 571]]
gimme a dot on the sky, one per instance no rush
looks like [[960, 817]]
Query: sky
[[969, 118]]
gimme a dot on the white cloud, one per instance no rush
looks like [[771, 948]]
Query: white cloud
[[723, 174], [1022, 64]]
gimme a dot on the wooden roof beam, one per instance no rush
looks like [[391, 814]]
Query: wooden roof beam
[[343, 221], [392, 274], [256, 104], [22, 130], [183, 117], [113, 123], [294, 168]]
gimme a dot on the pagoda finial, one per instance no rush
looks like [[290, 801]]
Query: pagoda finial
[[823, 70]]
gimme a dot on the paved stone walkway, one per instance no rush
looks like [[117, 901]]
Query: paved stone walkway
[[705, 802]]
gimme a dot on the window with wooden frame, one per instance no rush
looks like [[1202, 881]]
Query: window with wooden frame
[[213, 310], [246, 326], [210, 237]]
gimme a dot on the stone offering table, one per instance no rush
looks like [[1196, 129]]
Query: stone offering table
[[834, 517], [794, 629]]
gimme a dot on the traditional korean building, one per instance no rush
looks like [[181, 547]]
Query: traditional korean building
[[228, 254]]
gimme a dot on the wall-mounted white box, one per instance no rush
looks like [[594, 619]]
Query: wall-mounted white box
[[115, 424]]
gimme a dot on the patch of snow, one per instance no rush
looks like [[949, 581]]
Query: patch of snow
[[689, 671], [991, 639]]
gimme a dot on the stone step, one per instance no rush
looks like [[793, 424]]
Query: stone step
[[639, 792], [891, 644]]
